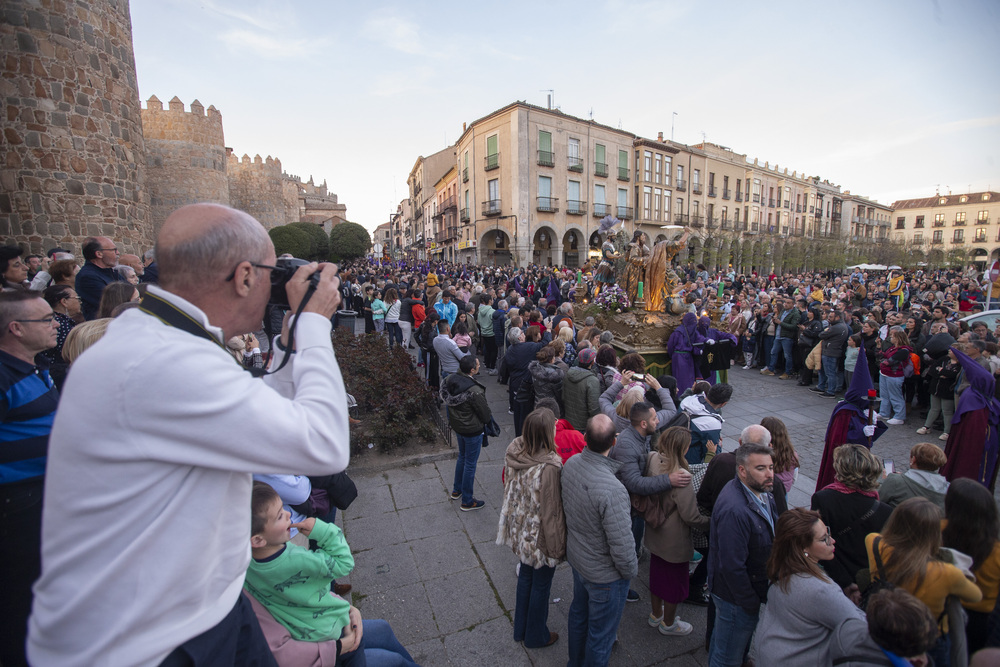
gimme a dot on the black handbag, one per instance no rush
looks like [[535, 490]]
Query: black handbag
[[492, 428]]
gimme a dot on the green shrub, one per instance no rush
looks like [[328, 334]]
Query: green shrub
[[294, 241], [395, 404], [349, 240], [320, 242]]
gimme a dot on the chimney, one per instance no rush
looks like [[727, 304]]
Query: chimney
[[659, 136], [549, 96]]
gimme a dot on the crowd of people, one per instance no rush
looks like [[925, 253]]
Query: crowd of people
[[610, 464]]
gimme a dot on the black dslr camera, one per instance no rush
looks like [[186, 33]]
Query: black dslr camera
[[284, 268]]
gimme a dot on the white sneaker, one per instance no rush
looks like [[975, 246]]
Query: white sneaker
[[654, 620], [923, 430], [746, 368], [895, 422], [678, 629], [943, 436]]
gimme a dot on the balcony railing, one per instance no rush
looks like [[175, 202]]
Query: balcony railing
[[960, 239], [465, 175], [798, 232], [725, 193], [576, 207], [983, 221], [696, 188], [491, 207], [936, 241], [980, 239], [450, 202], [697, 221], [547, 204], [753, 229], [491, 162], [787, 204], [711, 191], [798, 208], [835, 217], [546, 159], [939, 223], [452, 233], [574, 163], [463, 215], [739, 196], [680, 184], [959, 223], [724, 223], [711, 222], [622, 173], [770, 202], [601, 210], [756, 199], [600, 169], [418, 213], [623, 212], [682, 218]]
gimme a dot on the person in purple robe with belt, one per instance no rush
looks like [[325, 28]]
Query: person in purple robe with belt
[[683, 345], [973, 441]]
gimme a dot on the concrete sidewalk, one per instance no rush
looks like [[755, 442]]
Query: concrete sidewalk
[[438, 576]]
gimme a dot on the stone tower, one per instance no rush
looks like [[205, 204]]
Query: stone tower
[[258, 187], [185, 157], [72, 160]]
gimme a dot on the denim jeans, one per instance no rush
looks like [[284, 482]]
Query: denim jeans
[[469, 447], [379, 648], [891, 390], [785, 345], [395, 333], [734, 627], [531, 614], [766, 362], [593, 620], [830, 378]]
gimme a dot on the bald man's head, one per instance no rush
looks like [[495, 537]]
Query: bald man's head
[[199, 245], [755, 434], [600, 435]]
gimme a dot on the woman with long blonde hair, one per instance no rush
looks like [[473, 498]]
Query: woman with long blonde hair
[[668, 533], [786, 461]]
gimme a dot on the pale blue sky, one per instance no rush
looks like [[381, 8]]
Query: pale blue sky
[[887, 99]]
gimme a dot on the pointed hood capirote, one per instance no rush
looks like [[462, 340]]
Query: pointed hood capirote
[[861, 381], [979, 395]]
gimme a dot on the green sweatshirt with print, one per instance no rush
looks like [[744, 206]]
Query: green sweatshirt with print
[[295, 585]]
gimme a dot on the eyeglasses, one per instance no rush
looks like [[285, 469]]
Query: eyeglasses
[[116, 250], [826, 539], [46, 320], [259, 266]]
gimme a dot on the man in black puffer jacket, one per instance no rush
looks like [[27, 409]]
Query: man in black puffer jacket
[[468, 414]]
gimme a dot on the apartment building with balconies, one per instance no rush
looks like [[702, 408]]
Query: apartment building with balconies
[[426, 171], [534, 183], [867, 220], [444, 218], [947, 225]]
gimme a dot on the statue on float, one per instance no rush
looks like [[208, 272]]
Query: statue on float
[[662, 284], [604, 276]]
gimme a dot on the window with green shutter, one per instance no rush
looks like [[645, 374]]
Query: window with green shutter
[[546, 157]]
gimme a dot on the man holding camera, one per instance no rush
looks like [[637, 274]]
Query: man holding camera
[[145, 537]]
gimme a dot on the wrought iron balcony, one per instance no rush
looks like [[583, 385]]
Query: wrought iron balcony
[[491, 162], [696, 188], [835, 216], [622, 173], [463, 215], [601, 210], [465, 175], [546, 159], [491, 207], [739, 196], [576, 207], [726, 193], [770, 202], [574, 163], [959, 223], [623, 212], [448, 203], [980, 239], [756, 199], [680, 184], [939, 223], [547, 204], [798, 232], [418, 212], [452, 233], [983, 221], [787, 204], [919, 224], [682, 218], [711, 191], [798, 208], [936, 241], [600, 169], [711, 222]]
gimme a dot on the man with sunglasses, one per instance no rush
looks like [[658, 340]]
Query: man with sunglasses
[[28, 400], [98, 272], [145, 533]]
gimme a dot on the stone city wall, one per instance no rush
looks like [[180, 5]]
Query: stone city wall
[[257, 187]]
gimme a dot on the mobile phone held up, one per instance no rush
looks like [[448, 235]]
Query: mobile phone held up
[[889, 466]]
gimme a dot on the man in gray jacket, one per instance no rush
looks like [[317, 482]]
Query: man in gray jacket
[[834, 341], [599, 545], [632, 451], [581, 390]]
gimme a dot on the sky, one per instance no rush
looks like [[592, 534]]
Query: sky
[[890, 100]]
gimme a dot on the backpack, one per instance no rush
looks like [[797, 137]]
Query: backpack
[[880, 583], [915, 363], [680, 418]]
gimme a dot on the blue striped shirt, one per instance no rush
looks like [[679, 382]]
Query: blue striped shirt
[[28, 401]]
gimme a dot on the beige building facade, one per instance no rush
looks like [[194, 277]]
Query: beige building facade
[[943, 227], [426, 171], [534, 184]]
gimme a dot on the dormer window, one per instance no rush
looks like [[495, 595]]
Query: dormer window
[[963, 199], [943, 200], [986, 197]]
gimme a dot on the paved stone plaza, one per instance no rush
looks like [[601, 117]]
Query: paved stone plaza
[[438, 576]]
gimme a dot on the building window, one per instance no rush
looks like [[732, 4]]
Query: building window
[[573, 160], [919, 224], [986, 197], [546, 157], [756, 192], [963, 199], [659, 167], [647, 204], [918, 238], [983, 216], [939, 218], [647, 166], [680, 209], [943, 200], [980, 234], [599, 196], [960, 218], [680, 175], [901, 222], [545, 200], [938, 236], [958, 236], [600, 160], [696, 178], [666, 169]]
